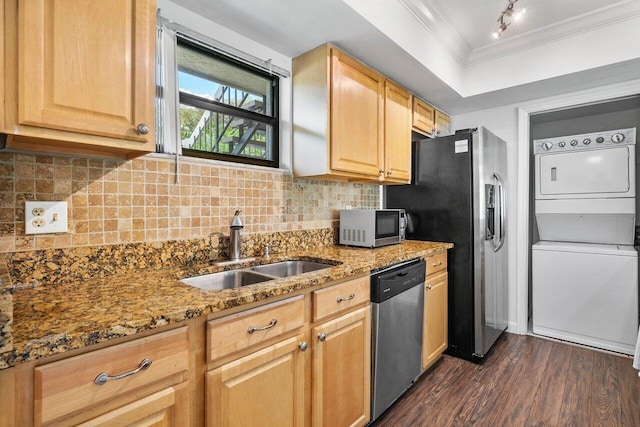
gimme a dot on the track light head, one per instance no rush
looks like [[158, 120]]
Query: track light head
[[508, 12]]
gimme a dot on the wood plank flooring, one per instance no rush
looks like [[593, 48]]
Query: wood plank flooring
[[525, 381]]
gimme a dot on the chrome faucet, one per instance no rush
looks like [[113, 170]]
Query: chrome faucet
[[235, 241]]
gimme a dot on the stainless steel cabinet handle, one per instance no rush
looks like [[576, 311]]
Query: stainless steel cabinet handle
[[429, 287], [143, 129], [381, 171], [437, 264], [253, 329], [303, 346], [389, 173], [322, 336], [104, 377], [351, 296]]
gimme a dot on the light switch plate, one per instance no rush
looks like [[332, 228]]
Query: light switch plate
[[45, 217]]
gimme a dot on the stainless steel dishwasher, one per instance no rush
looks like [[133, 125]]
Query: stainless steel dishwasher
[[397, 309]]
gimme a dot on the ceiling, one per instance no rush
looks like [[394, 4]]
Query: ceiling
[[443, 51], [474, 20]]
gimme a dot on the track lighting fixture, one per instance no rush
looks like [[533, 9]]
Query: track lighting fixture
[[510, 13]]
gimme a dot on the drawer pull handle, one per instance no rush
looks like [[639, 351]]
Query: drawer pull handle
[[322, 337], [104, 377], [253, 329], [429, 287], [437, 264], [349, 298]]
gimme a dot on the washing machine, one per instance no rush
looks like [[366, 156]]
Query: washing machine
[[585, 268], [586, 293]]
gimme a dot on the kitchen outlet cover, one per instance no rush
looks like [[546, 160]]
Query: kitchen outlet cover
[[45, 217]]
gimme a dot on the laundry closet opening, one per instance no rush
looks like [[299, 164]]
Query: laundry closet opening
[[583, 274]]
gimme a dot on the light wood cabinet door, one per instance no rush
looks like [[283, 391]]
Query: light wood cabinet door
[[423, 117], [443, 124], [397, 133], [70, 389], [85, 68], [341, 371], [3, 76], [161, 409], [434, 329], [357, 103], [264, 388]]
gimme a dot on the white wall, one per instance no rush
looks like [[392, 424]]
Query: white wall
[[511, 123], [227, 36]]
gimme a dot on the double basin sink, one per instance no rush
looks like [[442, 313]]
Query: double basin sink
[[252, 275]]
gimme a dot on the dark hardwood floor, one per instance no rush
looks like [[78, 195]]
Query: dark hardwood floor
[[525, 381]]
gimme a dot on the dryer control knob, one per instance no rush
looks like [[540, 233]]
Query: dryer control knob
[[617, 137], [547, 145], [599, 140], [586, 141], [574, 142], [561, 144]]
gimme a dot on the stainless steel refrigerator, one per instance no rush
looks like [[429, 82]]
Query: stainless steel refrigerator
[[458, 196]]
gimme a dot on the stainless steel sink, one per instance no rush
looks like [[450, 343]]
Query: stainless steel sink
[[226, 280], [290, 268], [252, 275]]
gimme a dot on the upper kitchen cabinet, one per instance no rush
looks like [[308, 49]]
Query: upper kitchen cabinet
[[349, 122], [429, 121], [79, 76], [443, 124], [397, 133]]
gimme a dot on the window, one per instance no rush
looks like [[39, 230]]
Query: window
[[228, 110]]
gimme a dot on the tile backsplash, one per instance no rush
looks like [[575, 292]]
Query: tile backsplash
[[140, 200]]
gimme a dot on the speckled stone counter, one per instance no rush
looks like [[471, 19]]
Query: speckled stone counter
[[53, 319]]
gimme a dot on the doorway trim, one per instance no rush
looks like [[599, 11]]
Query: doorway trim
[[523, 246]]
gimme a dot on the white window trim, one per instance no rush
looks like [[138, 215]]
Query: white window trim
[[168, 140]]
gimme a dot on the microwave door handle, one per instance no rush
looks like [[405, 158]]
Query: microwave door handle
[[501, 211]]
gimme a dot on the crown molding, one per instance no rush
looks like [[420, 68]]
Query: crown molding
[[580, 24], [440, 27]]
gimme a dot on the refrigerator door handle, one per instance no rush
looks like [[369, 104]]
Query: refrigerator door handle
[[501, 211], [490, 194]]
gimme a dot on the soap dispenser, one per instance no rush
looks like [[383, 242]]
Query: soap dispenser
[[235, 241]]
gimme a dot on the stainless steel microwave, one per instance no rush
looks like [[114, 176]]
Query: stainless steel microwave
[[372, 228]]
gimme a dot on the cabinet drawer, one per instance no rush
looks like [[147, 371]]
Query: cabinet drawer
[[236, 332], [340, 297], [436, 263], [67, 386]]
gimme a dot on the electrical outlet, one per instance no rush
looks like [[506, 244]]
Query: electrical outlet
[[45, 217]]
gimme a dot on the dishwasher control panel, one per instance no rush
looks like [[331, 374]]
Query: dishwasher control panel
[[397, 279]]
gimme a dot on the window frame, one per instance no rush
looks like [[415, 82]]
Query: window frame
[[168, 127], [219, 107]]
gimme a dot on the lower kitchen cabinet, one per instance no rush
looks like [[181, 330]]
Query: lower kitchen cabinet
[[253, 367], [342, 370], [263, 388], [141, 382], [164, 408], [434, 329]]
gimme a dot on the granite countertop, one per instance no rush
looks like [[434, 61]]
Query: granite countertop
[[47, 320]]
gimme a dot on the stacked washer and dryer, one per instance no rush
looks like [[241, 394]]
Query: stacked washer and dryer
[[585, 267]]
